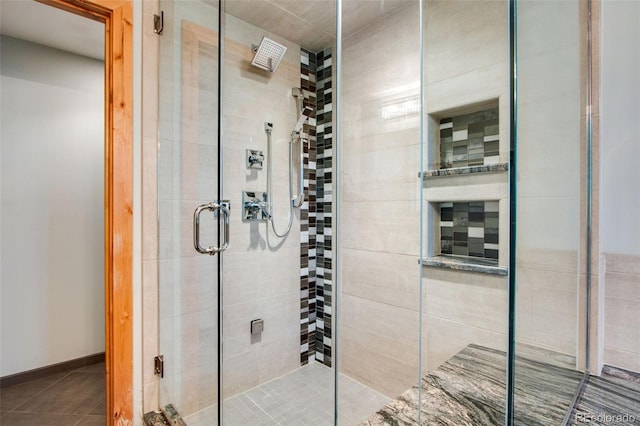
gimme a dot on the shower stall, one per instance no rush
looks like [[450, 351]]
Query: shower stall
[[368, 212]]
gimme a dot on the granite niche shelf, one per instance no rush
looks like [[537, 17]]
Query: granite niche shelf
[[464, 264], [457, 171]]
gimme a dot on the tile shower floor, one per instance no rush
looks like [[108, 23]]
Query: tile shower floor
[[73, 398], [289, 400]]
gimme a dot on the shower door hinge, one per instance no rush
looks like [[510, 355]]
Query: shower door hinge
[[158, 23], [158, 365], [224, 203]]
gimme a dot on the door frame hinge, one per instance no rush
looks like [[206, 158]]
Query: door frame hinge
[[158, 365], [158, 23]]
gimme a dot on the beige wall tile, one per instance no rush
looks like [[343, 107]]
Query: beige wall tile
[[623, 263], [150, 320], [149, 199], [375, 369], [277, 360], [623, 287], [621, 307], [368, 226], [548, 259], [383, 175], [237, 320], [378, 344], [483, 84], [475, 299], [484, 26], [539, 225], [243, 284], [150, 397], [548, 314], [241, 372], [443, 338], [623, 359], [384, 277]]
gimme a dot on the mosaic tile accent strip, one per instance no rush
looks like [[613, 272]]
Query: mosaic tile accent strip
[[308, 213], [324, 218], [470, 139], [315, 217], [469, 229]]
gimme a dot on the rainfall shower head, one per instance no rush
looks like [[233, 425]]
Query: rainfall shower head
[[268, 54], [306, 113]]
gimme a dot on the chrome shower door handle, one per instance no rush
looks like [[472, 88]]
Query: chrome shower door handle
[[224, 210], [196, 228], [212, 207]]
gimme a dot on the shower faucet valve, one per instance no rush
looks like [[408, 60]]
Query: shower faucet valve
[[255, 158], [255, 207]]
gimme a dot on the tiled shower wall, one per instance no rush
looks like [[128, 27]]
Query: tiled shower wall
[[315, 216], [379, 208], [621, 346], [464, 307]]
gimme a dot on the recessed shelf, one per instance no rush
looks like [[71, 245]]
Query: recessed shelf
[[458, 171], [466, 264]]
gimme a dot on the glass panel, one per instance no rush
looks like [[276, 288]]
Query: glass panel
[[614, 345], [551, 226], [187, 178], [465, 212], [277, 276], [379, 240]]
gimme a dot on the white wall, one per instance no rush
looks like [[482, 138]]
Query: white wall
[[620, 127], [52, 242]]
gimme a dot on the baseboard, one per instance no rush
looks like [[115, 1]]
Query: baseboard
[[38, 373]]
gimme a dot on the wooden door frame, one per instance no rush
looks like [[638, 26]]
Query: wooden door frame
[[117, 16]]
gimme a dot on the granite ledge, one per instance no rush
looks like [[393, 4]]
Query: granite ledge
[[167, 417], [464, 264], [457, 171]]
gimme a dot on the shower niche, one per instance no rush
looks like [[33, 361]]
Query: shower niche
[[466, 188]]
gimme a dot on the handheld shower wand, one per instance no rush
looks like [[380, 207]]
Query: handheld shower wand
[[306, 113], [299, 198]]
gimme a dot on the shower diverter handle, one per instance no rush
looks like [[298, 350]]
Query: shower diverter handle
[[221, 207]]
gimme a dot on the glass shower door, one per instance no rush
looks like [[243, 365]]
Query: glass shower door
[[188, 178], [272, 305], [551, 205], [270, 372]]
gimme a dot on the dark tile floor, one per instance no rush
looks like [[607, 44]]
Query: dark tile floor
[[73, 398]]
